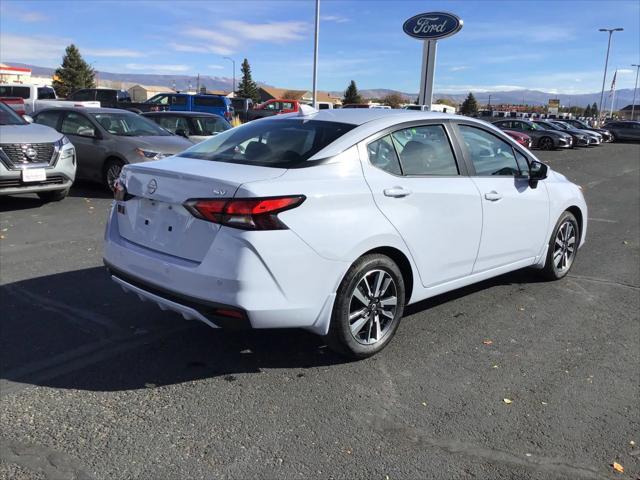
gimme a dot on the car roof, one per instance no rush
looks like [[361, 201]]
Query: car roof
[[180, 114], [87, 110], [360, 116]]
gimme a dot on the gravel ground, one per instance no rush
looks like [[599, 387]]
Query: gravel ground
[[95, 384]]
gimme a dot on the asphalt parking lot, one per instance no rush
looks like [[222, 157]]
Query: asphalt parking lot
[[95, 384]]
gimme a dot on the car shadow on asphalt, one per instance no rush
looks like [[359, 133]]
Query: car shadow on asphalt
[[78, 330], [12, 203]]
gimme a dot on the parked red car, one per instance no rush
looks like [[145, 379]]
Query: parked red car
[[522, 138], [16, 103], [272, 107]]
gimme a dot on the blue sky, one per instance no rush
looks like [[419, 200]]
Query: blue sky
[[553, 46]]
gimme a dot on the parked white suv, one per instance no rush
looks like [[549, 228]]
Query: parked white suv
[[334, 221], [34, 158]]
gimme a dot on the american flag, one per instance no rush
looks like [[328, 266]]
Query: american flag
[[613, 83]]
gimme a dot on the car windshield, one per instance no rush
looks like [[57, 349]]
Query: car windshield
[[129, 125], [270, 143], [535, 126], [563, 125], [580, 124], [547, 125], [9, 117]]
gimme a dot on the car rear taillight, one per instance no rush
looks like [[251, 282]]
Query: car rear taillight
[[244, 213], [120, 192]]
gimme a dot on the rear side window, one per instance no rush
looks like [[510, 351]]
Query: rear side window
[[48, 118], [490, 155], [382, 155], [271, 143], [180, 100], [425, 151], [9, 91], [209, 101]]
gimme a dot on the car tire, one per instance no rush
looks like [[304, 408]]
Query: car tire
[[613, 137], [111, 172], [368, 307], [53, 195], [546, 143], [563, 247]]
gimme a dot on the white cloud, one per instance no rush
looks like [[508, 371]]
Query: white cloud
[[112, 52], [267, 32], [216, 67], [459, 68], [217, 37], [30, 48], [625, 71], [185, 47], [157, 68], [334, 18], [476, 88]]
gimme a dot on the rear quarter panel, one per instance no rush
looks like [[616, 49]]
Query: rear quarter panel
[[339, 219]]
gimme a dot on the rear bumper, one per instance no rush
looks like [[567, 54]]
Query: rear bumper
[[273, 277]]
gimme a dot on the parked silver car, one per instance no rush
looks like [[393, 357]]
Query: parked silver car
[[34, 158], [106, 139]]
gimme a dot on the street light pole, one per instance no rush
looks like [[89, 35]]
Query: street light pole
[[315, 56], [633, 104], [234, 72], [606, 63]]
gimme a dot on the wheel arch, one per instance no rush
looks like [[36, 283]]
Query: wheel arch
[[577, 212], [404, 264]]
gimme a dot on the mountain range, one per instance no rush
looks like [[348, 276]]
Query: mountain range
[[185, 82]]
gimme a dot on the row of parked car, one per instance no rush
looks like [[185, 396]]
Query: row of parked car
[[44, 152]]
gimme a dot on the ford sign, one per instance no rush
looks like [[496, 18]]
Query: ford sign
[[432, 25]]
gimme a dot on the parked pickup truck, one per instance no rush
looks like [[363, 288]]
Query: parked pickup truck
[[184, 102], [113, 98], [273, 107], [37, 97]]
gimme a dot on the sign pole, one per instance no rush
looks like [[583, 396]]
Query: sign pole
[[429, 49]]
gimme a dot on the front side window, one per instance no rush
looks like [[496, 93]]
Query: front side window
[[172, 123], [46, 93], [382, 155], [207, 126], [489, 154], [83, 95], [49, 118], [425, 151], [129, 125], [273, 106], [159, 100], [76, 124], [270, 143]]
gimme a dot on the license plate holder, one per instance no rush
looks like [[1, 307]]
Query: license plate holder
[[34, 175]]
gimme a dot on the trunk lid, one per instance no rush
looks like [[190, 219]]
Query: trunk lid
[[155, 217]]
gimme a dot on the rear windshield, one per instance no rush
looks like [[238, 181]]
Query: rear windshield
[[270, 143]]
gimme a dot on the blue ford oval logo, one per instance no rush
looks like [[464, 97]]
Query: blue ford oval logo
[[432, 25]]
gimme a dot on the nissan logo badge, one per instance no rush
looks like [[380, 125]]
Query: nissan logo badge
[[152, 186]]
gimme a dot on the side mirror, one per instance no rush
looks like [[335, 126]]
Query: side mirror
[[182, 132], [27, 118], [86, 132], [537, 171]]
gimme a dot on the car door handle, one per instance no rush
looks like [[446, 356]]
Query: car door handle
[[493, 196], [396, 192]]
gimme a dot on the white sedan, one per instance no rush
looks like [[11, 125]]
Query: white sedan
[[334, 221]]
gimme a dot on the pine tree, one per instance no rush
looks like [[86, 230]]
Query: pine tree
[[594, 110], [351, 94], [469, 106], [73, 74], [587, 111], [247, 87]]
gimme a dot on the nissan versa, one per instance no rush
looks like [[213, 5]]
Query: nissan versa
[[334, 221]]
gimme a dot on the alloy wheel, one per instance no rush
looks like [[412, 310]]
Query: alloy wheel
[[546, 143], [113, 173], [372, 308], [564, 247]]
